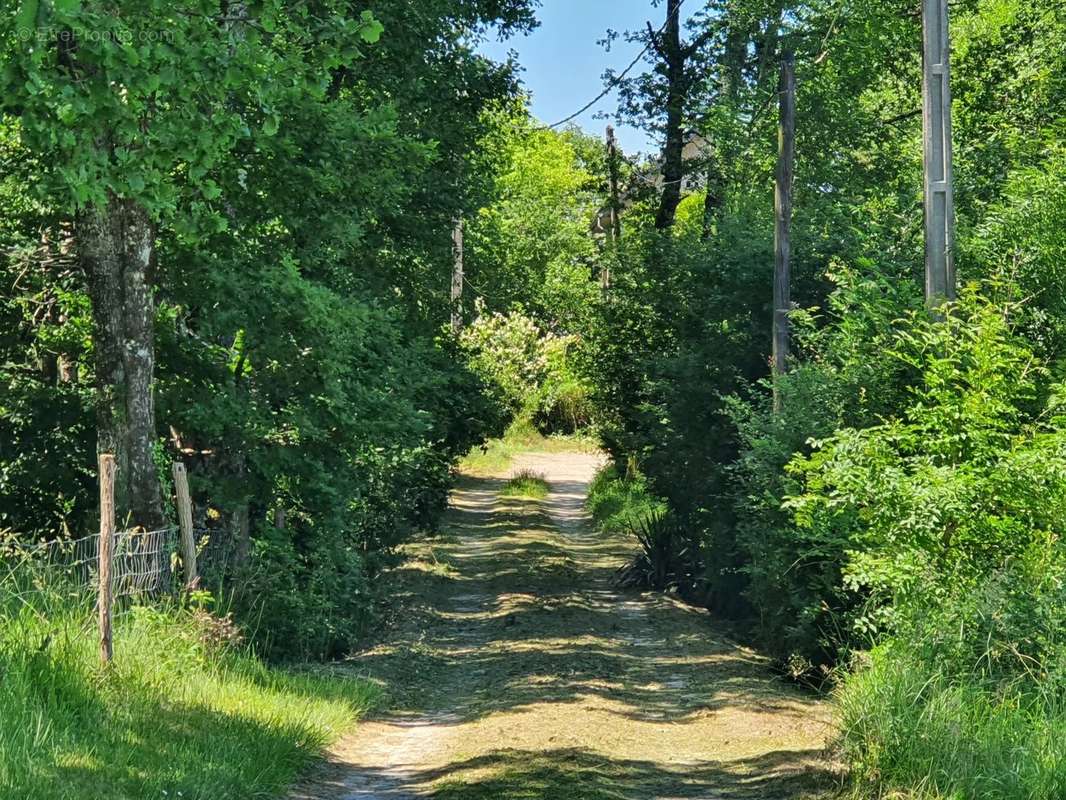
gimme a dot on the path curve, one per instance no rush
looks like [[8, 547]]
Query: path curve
[[514, 669]]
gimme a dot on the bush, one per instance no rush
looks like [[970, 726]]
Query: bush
[[618, 503], [506, 350], [668, 558], [970, 475], [790, 578], [563, 404], [969, 700], [355, 439], [530, 369]]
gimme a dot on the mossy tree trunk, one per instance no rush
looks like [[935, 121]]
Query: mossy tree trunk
[[116, 243]]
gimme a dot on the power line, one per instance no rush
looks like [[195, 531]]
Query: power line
[[613, 84]]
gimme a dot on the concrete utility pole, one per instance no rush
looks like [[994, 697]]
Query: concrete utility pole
[[457, 276], [786, 155], [936, 128]]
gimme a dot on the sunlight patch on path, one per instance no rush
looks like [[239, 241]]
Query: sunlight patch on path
[[515, 669]]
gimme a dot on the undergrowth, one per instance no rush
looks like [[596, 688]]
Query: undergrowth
[[910, 731], [620, 503], [184, 710]]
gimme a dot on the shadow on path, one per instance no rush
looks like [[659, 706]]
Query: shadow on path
[[514, 669]]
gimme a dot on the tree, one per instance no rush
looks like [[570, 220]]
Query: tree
[[531, 245], [137, 135]]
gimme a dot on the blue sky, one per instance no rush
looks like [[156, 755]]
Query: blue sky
[[563, 64]]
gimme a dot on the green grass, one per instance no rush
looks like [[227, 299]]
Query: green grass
[[177, 715], [495, 456], [526, 484], [620, 504], [909, 731]]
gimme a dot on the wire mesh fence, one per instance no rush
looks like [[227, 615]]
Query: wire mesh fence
[[216, 553], [112, 571], [142, 565]]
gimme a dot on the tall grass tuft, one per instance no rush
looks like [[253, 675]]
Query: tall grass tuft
[[909, 731], [526, 483], [617, 503], [183, 711], [968, 699]]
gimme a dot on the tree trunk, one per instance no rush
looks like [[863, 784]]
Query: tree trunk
[[783, 220], [115, 245], [615, 232], [614, 229], [457, 276], [673, 164], [715, 198]]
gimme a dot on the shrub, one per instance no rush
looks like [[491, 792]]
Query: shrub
[[618, 503], [507, 351], [530, 369], [969, 476], [563, 403], [969, 700], [790, 577], [355, 439], [668, 558]]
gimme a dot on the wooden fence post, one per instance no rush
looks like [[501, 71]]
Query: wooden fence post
[[188, 543], [105, 547]]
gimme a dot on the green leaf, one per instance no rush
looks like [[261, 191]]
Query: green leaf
[[27, 16], [211, 190], [370, 30]]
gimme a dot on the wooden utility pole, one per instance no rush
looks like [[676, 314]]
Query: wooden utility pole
[[613, 176], [936, 128], [105, 546], [614, 230], [188, 542], [457, 276], [786, 154]]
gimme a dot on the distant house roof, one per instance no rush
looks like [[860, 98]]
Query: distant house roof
[[651, 177]]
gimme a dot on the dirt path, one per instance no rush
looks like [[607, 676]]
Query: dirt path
[[514, 670]]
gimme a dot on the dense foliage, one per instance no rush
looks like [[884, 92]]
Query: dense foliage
[[295, 309], [905, 494], [252, 275]]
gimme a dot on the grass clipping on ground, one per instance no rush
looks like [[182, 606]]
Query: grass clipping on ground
[[182, 712], [555, 687]]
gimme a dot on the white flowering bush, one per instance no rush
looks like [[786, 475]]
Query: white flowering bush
[[530, 369]]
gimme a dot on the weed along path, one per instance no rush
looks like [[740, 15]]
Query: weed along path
[[515, 670]]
